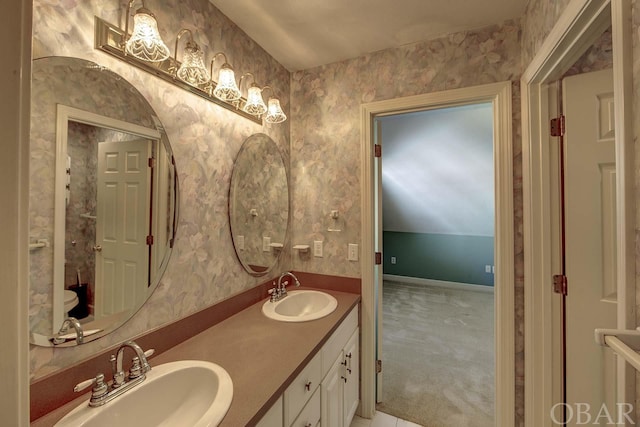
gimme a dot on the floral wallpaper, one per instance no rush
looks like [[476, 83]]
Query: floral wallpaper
[[205, 139], [539, 18]]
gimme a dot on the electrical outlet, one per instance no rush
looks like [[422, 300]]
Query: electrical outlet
[[353, 252], [393, 260], [266, 242], [240, 243], [487, 269], [317, 248]]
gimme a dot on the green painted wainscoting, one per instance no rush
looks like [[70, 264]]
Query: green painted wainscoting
[[446, 257]]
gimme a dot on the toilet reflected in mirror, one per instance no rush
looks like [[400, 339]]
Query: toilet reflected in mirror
[[70, 301]]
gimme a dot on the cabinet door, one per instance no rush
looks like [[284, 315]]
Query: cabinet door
[[352, 373], [273, 417], [332, 401]]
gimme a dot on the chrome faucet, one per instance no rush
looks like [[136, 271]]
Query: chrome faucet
[[69, 321], [140, 364], [281, 286], [101, 392]]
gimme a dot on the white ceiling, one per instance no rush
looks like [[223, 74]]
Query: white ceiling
[[302, 34]]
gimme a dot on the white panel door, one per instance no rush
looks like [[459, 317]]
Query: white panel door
[[332, 398], [352, 384], [122, 226], [590, 238]]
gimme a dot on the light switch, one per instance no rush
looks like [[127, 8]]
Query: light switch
[[240, 243], [317, 248], [266, 242], [353, 252]]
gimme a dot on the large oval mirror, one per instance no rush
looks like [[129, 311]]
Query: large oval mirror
[[259, 204], [103, 191]]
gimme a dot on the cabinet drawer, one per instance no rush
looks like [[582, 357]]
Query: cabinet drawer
[[310, 415], [338, 340], [301, 389]]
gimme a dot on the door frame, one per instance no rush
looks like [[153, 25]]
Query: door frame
[[578, 27], [499, 94]]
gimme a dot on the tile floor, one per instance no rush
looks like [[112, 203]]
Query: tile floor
[[382, 420]]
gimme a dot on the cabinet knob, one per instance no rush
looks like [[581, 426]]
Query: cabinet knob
[[307, 386], [308, 425]]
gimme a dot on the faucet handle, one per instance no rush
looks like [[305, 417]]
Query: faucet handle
[[135, 370], [99, 386]]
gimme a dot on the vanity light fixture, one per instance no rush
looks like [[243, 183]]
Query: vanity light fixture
[[145, 50], [274, 110], [192, 69], [226, 89], [145, 42], [255, 104]]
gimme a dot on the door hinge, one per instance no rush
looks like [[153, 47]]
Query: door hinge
[[560, 284], [378, 258], [377, 150], [150, 240], [152, 162], [557, 126], [378, 366]]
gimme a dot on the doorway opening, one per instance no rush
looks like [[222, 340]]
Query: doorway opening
[[498, 95], [438, 261]]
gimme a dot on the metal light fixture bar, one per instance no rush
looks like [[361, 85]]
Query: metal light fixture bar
[[108, 38]]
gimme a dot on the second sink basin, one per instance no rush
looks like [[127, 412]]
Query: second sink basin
[[184, 393], [300, 306]]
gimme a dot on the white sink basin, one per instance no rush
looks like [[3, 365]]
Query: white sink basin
[[184, 393], [300, 306]]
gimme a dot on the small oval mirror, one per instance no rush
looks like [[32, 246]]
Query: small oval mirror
[[259, 204]]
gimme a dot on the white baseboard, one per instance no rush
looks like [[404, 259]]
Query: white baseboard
[[438, 283]]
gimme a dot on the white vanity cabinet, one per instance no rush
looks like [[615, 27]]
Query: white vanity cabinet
[[326, 392], [273, 417], [340, 388]]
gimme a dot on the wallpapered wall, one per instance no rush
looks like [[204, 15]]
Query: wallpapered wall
[[205, 138]]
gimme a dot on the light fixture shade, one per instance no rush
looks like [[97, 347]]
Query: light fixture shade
[[192, 70], [227, 89], [274, 112], [145, 42], [255, 104]]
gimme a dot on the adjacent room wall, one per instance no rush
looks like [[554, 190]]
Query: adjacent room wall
[[438, 194], [205, 138]]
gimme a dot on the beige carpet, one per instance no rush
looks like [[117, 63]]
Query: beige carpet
[[438, 361]]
